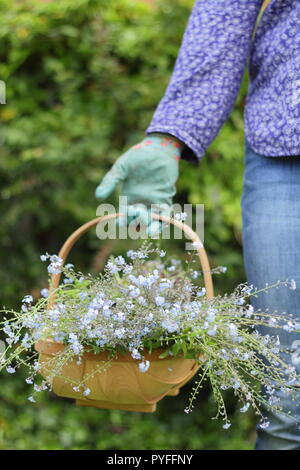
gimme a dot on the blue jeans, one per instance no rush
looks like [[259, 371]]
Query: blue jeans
[[271, 245]]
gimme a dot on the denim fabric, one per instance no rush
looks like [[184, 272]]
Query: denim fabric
[[271, 244]]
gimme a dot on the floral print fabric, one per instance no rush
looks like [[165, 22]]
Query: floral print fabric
[[216, 45]]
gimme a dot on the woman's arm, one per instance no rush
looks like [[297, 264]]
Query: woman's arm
[[208, 72]]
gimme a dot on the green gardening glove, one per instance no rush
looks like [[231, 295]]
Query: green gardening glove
[[148, 172]]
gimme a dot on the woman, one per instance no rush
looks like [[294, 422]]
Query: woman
[[206, 79]]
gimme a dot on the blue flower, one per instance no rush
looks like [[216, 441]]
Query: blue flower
[[133, 291], [245, 408], [120, 332], [201, 292], [170, 325], [159, 301], [55, 267], [75, 344], [171, 268], [27, 299], [45, 293], [136, 254], [26, 343], [83, 295], [181, 216], [54, 314], [127, 269], [165, 284], [111, 267], [120, 261], [236, 385], [226, 426], [211, 315], [141, 300], [135, 354], [212, 331], [264, 424], [233, 331]]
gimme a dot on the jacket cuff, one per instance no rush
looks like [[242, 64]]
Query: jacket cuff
[[192, 151]]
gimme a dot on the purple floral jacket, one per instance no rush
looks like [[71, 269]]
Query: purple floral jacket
[[217, 43]]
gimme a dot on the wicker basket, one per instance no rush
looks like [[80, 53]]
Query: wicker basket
[[122, 385]]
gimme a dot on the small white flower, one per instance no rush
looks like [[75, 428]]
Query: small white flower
[[293, 285], [86, 392], [31, 399]]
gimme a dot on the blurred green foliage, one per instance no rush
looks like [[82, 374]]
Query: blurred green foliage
[[83, 79]]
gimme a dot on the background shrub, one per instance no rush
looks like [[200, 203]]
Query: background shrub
[[83, 79]]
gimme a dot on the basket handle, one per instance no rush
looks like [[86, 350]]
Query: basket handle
[[69, 243]]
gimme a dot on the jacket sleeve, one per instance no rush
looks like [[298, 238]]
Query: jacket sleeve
[[207, 73]]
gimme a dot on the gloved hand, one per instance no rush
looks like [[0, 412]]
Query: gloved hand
[[148, 172]]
